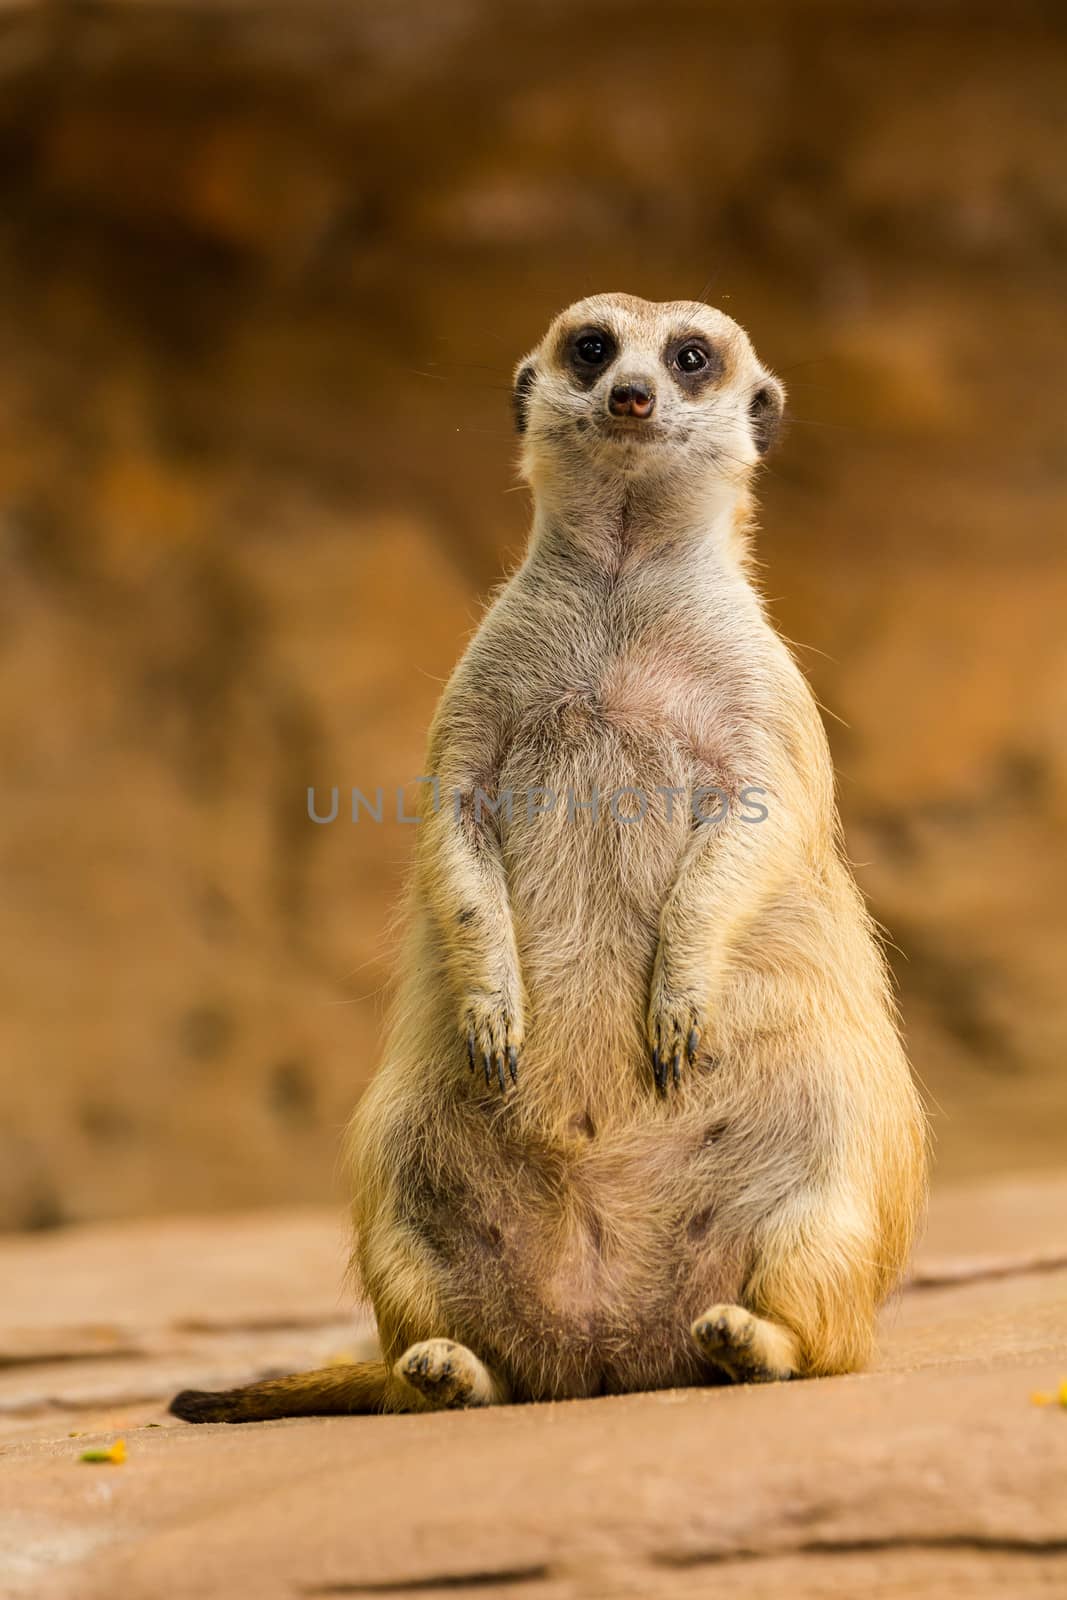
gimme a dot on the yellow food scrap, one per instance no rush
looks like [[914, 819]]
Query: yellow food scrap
[[115, 1455], [1042, 1397]]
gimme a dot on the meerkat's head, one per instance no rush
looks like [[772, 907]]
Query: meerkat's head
[[625, 387]]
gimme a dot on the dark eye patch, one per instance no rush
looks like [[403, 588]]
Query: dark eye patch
[[693, 362], [588, 353]]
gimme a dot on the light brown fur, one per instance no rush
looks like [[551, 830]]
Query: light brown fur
[[578, 1232]]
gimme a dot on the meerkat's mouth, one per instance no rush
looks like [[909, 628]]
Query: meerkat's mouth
[[629, 430]]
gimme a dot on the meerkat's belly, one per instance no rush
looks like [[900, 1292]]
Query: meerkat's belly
[[579, 1272], [581, 1222], [600, 816], [619, 1226]]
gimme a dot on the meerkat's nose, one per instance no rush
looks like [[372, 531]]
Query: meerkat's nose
[[632, 399]]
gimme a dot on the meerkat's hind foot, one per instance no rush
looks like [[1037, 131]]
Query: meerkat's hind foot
[[749, 1349], [447, 1375]]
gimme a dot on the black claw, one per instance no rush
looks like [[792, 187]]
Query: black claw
[[691, 1044], [659, 1067], [500, 1073], [513, 1063], [470, 1049], [676, 1067], [488, 1066]]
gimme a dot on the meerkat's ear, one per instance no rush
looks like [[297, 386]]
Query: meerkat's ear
[[520, 394], [766, 409]]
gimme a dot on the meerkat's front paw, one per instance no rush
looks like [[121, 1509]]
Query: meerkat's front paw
[[492, 1030], [674, 1035], [446, 1374], [749, 1348], [679, 1011], [675, 1026]]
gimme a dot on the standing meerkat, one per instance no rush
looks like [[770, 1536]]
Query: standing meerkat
[[644, 1118]]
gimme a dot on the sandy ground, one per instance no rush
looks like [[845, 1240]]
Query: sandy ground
[[934, 1474]]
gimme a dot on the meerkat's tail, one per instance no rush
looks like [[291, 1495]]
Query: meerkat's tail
[[330, 1391]]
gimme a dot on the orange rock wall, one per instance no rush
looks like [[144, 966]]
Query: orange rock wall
[[264, 272]]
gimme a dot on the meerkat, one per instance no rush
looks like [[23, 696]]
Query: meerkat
[[644, 1117]]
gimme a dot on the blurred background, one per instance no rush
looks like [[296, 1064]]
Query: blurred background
[[265, 270]]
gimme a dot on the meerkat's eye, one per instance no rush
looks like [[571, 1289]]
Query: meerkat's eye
[[594, 349], [691, 358]]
